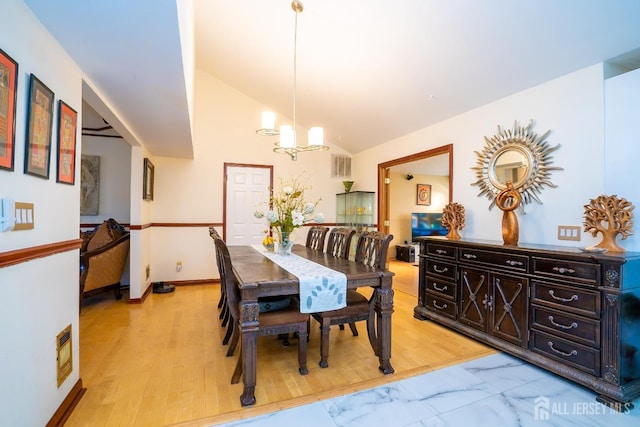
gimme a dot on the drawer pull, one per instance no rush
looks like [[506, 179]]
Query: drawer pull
[[512, 263], [563, 270], [441, 251], [573, 352], [444, 270], [469, 256], [573, 297], [559, 325], [442, 289], [439, 307]]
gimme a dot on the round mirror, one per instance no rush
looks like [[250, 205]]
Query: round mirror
[[510, 163], [515, 155]]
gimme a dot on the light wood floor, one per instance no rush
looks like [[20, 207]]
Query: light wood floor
[[162, 362]]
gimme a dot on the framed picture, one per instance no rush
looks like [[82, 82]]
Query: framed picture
[[8, 85], [424, 194], [89, 184], [147, 182], [67, 124], [39, 123]]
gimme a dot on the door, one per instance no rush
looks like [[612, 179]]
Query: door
[[509, 316], [474, 298], [246, 188]]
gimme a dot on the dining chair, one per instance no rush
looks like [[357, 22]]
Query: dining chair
[[316, 237], [371, 250], [225, 314], [339, 242], [284, 321]]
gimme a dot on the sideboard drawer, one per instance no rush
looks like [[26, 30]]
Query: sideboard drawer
[[572, 327], [583, 272], [497, 259], [441, 306], [576, 355], [441, 288], [442, 269], [576, 300], [441, 250]]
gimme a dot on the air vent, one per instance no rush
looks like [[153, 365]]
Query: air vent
[[340, 166], [65, 363]]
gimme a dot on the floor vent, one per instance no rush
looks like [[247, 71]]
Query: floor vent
[[65, 362]]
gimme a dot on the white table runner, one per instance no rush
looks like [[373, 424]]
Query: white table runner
[[321, 288]]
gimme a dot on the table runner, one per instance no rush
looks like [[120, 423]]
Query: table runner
[[321, 288]]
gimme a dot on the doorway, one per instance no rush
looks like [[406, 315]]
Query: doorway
[[245, 188], [384, 173]]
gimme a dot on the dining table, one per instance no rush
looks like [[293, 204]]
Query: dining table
[[259, 276]]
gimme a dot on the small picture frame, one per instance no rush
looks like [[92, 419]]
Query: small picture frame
[[147, 180], [8, 86], [39, 125], [423, 193], [67, 126]]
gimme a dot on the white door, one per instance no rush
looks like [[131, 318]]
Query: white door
[[247, 189]]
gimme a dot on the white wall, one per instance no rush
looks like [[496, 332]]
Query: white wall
[[40, 298], [572, 107], [622, 104]]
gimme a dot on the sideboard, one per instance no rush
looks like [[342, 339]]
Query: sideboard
[[573, 313]]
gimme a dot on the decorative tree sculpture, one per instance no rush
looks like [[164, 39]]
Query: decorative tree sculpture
[[610, 216], [453, 219]]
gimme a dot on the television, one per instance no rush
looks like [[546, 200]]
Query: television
[[426, 224]]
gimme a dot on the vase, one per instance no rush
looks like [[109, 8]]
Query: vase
[[347, 185], [285, 245]]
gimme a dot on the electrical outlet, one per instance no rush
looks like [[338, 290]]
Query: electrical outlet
[[569, 232], [179, 266]]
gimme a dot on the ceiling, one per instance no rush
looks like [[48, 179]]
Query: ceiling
[[368, 71]]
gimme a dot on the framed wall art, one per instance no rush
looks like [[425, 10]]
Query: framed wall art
[[67, 123], [424, 194], [89, 184], [147, 180], [8, 85], [39, 124]]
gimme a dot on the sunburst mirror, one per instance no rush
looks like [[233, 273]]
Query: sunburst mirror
[[518, 155]]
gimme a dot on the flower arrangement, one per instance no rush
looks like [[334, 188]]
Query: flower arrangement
[[288, 210]]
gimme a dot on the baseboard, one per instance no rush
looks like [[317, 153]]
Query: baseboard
[[68, 405]]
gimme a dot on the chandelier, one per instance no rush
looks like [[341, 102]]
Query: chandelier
[[287, 143]]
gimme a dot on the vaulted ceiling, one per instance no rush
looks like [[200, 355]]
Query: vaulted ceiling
[[368, 71]]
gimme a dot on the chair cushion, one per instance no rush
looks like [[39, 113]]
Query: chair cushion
[[102, 236], [273, 303]]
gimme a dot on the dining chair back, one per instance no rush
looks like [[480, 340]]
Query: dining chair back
[[316, 237], [339, 242], [371, 250], [284, 321]]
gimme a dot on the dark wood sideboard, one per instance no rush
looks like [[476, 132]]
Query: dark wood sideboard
[[572, 313]]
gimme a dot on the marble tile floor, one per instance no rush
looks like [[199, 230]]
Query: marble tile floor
[[497, 390]]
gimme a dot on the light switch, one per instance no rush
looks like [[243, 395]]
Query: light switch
[[569, 232]]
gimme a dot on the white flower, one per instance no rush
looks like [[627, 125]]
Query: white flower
[[308, 208], [258, 214], [272, 216], [297, 218], [287, 190], [319, 218]]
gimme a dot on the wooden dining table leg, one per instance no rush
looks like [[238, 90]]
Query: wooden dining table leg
[[384, 309], [249, 311]]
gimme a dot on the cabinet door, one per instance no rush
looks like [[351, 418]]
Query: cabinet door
[[474, 298], [509, 308]]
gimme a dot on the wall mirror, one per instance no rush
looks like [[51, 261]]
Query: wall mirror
[[517, 155]]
